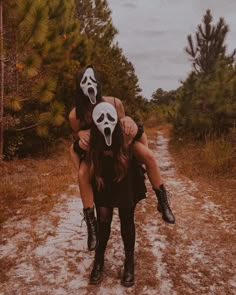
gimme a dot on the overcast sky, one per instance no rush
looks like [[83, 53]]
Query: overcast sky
[[153, 34]]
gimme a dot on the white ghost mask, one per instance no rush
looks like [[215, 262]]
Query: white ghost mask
[[105, 117], [88, 85]]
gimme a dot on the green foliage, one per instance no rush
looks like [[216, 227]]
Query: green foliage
[[162, 97], [96, 22], [33, 27], [117, 73], [164, 104], [206, 102], [45, 90], [47, 42], [209, 48], [42, 40], [14, 103], [31, 65]]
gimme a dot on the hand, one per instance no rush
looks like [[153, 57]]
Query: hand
[[129, 127], [84, 136]]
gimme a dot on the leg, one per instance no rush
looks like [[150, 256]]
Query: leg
[[104, 217], [86, 192], [128, 235], [145, 156], [83, 173], [85, 186]]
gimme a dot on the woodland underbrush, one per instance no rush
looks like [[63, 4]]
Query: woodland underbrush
[[31, 186], [215, 157]]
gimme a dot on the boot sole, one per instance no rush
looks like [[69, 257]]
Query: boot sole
[[171, 222], [96, 282], [167, 221], [127, 284]]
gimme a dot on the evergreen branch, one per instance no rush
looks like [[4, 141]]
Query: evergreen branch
[[26, 8], [201, 31], [28, 127]]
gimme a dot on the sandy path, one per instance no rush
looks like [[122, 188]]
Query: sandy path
[[194, 256]]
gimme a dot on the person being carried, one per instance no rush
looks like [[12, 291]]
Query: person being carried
[[88, 94]]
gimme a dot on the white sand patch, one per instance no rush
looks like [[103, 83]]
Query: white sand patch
[[196, 251], [158, 245], [233, 282], [226, 219]]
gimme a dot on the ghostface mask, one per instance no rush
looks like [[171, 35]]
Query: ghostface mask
[[88, 85], [105, 117]]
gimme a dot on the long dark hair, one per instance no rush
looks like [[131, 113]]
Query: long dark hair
[[120, 153], [82, 103]]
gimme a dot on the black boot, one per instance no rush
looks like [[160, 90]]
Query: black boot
[[128, 274], [163, 205], [96, 275], [92, 228]]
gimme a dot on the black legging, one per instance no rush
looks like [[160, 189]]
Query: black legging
[[104, 218]]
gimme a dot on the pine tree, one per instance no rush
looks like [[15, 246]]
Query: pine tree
[[43, 36], [207, 104], [162, 97], [207, 100], [2, 80], [96, 22], [209, 45], [118, 74]]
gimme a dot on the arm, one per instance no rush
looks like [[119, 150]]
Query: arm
[[128, 125], [84, 135], [119, 108], [74, 122]]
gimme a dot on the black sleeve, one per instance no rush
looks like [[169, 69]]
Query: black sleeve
[[139, 132], [77, 149]]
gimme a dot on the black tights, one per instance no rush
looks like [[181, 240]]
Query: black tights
[[104, 218]]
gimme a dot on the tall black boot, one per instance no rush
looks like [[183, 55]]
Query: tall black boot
[[96, 275], [128, 274], [163, 205], [92, 228]]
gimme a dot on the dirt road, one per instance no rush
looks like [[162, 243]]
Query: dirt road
[[195, 256]]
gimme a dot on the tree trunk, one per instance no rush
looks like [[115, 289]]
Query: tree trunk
[[2, 80]]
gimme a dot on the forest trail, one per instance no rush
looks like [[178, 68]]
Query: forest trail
[[194, 256]]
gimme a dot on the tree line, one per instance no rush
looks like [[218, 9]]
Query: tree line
[[205, 103], [45, 42], [43, 45]]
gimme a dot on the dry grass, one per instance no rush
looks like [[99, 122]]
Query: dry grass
[[30, 187], [190, 160], [219, 154], [198, 160]]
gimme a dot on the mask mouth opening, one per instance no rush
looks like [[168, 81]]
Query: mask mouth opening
[[92, 95], [108, 137]]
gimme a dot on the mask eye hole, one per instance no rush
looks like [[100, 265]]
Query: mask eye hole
[[100, 119], [84, 80], [93, 80], [110, 118]]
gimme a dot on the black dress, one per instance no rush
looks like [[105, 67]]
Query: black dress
[[125, 193]]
